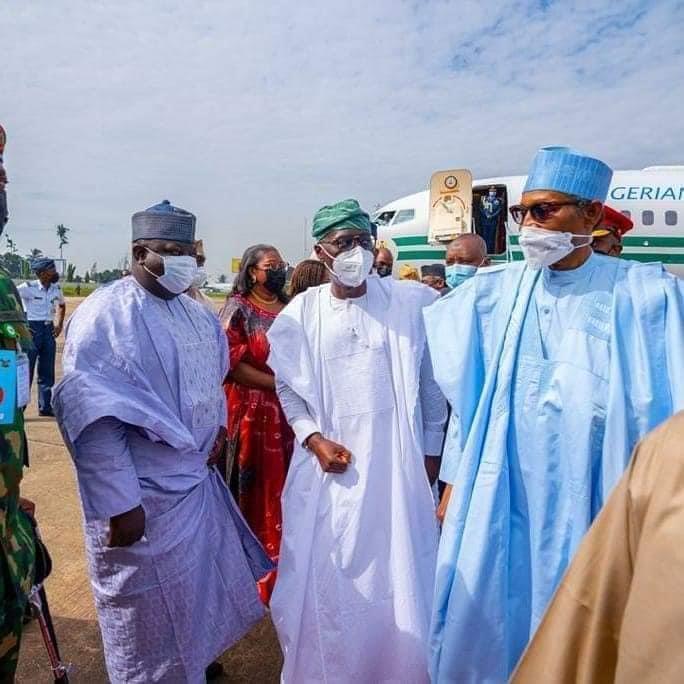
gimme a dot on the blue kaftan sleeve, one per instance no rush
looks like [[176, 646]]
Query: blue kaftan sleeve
[[674, 334], [453, 334], [106, 476]]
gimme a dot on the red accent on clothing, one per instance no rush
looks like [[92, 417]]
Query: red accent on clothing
[[259, 437]]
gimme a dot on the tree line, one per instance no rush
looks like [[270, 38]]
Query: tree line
[[19, 266]]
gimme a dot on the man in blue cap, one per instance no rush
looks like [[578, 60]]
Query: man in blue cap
[[43, 299], [354, 590], [141, 408], [554, 368]]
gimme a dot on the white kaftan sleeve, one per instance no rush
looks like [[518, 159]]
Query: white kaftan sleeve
[[296, 412], [434, 408], [106, 475]]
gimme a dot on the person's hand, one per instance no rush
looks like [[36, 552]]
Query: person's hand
[[444, 503], [28, 507], [332, 457], [126, 528], [57, 330], [216, 450], [432, 465]]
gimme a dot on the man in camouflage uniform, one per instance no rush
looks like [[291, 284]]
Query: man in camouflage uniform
[[17, 551]]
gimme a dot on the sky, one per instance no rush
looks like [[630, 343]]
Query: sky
[[253, 115]]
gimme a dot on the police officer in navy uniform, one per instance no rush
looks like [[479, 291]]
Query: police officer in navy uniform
[[43, 299]]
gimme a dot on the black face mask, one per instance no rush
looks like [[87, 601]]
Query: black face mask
[[383, 270], [275, 280], [55, 278]]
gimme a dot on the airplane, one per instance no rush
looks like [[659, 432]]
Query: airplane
[[223, 288], [653, 198]]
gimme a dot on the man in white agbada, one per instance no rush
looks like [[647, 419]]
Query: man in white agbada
[[355, 579], [142, 409]]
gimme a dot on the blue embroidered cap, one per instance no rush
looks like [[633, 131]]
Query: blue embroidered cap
[[164, 222], [42, 264], [566, 170]]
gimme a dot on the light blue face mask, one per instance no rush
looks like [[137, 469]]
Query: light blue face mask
[[457, 274]]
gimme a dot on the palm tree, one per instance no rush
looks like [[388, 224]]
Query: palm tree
[[36, 253], [62, 231]]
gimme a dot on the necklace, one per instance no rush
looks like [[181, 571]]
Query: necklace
[[262, 300]]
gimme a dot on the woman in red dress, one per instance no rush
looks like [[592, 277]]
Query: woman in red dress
[[260, 441]]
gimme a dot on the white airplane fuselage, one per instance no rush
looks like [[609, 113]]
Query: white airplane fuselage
[[653, 198]]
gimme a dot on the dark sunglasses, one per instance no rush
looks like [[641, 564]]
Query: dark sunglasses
[[344, 244], [274, 267], [542, 211]]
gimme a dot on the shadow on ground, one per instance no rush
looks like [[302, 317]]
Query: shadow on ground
[[254, 659]]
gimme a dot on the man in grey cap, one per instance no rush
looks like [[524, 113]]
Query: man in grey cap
[[141, 408]]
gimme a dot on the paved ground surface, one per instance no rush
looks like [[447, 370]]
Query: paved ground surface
[[51, 484]]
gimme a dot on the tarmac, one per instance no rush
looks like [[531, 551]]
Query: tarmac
[[50, 483]]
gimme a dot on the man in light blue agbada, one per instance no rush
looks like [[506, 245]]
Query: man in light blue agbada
[[554, 369]]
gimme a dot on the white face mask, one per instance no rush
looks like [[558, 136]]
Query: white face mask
[[542, 248], [179, 272], [351, 268], [201, 277]]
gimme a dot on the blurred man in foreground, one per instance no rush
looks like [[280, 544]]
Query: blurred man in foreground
[[17, 546], [617, 614]]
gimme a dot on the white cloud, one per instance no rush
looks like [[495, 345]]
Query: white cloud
[[253, 115]]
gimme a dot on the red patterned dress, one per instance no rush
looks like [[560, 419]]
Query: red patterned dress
[[260, 441]]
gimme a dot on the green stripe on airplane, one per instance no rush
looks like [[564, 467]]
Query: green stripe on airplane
[[634, 256], [420, 240], [419, 255], [636, 241], [410, 240]]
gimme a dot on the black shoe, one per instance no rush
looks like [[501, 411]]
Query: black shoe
[[47, 413], [28, 614], [214, 671]]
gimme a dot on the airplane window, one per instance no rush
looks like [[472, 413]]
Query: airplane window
[[627, 213], [404, 215], [647, 217], [670, 218], [384, 218]]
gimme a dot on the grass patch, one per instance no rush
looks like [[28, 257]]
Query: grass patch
[[69, 289]]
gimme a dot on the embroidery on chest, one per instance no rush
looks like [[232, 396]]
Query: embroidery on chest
[[596, 313], [199, 367]]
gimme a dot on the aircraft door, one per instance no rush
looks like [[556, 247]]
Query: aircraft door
[[451, 201], [490, 214]]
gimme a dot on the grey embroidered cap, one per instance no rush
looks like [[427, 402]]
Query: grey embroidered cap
[[163, 221]]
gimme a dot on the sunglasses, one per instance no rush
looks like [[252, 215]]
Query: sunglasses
[[283, 266], [344, 244], [542, 211]]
